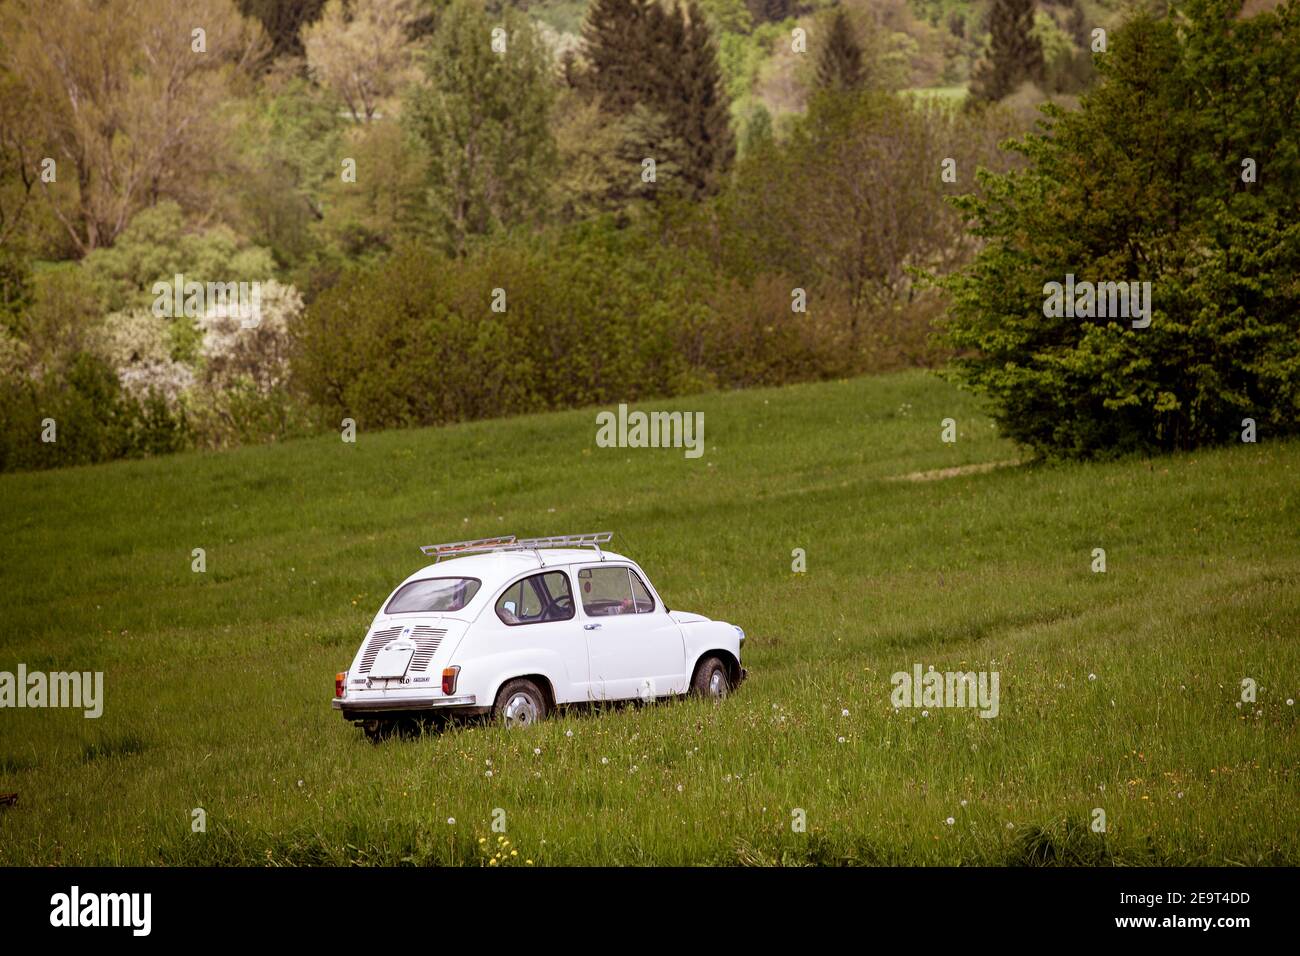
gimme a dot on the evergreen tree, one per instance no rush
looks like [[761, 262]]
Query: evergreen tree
[[774, 11], [1014, 55], [701, 113], [283, 21], [664, 61], [839, 61], [617, 37], [1077, 25]]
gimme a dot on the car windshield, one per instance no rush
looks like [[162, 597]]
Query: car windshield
[[434, 594]]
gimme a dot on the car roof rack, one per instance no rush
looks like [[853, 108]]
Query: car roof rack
[[509, 542]]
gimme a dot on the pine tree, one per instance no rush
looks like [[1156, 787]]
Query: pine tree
[[1014, 55], [283, 21], [1077, 25], [701, 117], [664, 60], [617, 36], [768, 11], [839, 61]]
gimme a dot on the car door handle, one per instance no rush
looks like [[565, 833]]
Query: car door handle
[[590, 627]]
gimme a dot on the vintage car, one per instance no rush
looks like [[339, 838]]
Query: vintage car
[[517, 628]]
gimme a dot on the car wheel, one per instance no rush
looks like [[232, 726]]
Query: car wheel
[[711, 679], [520, 704], [377, 730]]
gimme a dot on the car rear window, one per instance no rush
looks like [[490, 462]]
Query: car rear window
[[431, 595]]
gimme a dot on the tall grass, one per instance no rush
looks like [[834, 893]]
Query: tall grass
[[1119, 691]]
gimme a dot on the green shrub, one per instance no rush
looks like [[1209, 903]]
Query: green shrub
[[1144, 183], [93, 419], [593, 314], [590, 316]]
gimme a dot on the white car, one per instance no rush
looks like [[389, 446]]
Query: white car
[[498, 631]]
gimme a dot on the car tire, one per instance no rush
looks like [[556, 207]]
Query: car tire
[[377, 731], [711, 679], [520, 704]]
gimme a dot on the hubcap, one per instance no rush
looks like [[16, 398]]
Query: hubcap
[[521, 710], [717, 683]]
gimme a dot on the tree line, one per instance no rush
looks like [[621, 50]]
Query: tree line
[[457, 211]]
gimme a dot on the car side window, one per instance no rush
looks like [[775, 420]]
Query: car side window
[[641, 599], [537, 599], [613, 590]]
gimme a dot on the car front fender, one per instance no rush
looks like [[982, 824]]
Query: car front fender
[[705, 637]]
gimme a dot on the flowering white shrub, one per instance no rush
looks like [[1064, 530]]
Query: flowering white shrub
[[138, 346], [259, 354], [561, 44]]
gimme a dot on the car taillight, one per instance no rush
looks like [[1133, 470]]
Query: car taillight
[[340, 683], [449, 675]]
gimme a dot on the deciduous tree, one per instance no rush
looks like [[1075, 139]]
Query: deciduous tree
[[127, 99], [483, 119], [1149, 181], [361, 51]]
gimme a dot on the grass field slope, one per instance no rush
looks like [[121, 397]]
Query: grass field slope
[[1120, 692]]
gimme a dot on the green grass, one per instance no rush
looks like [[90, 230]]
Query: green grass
[[217, 685], [951, 95]]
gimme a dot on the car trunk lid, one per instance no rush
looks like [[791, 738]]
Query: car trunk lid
[[393, 658], [404, 650]]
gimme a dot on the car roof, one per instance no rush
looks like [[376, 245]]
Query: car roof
[[494, 567]]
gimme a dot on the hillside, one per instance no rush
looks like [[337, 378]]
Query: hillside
[[1119, 691], [909, 44]]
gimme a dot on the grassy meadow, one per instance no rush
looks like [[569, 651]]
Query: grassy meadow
[[1119, 690]]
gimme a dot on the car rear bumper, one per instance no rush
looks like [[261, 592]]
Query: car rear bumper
[[374, 705]]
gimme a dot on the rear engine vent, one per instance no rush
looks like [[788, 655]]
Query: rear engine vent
[[426, 640], [374, 645]]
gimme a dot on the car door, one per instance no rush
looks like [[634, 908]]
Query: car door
[[533, 625], [635, 649]]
